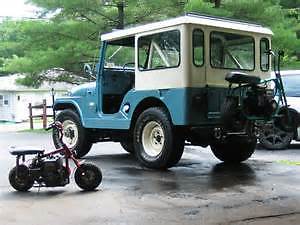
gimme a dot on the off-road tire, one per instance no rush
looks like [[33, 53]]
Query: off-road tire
[[234, 149], [88, 176], [177, 154], [23, 182], [83, 144], [172, 146], [127, 146]]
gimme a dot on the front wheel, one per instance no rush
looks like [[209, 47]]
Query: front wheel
[[20, 179], [75, 135], [157, 144], [88, 176], [127, 146], [234, 149]]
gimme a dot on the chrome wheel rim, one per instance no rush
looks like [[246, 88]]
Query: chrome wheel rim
[[153, 139], [70, 132]]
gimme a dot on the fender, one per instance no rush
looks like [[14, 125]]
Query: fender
[[69, 103], [172, 99]]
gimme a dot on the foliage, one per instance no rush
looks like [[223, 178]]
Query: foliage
[[290, 3], [71, 37], [289, 163], [268, 13]]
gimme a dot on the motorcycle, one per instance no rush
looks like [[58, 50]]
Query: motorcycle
[[251, 103], [51, 169]]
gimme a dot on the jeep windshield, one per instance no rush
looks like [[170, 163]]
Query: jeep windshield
[[120, 54]]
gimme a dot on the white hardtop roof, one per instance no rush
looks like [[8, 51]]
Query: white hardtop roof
[[189, 19]]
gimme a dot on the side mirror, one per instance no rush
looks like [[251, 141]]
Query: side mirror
[[88, 69], [270, 52]]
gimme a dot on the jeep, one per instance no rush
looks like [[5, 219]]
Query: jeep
[[191, 80]]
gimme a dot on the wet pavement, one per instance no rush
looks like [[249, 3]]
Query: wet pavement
[[199, 190]]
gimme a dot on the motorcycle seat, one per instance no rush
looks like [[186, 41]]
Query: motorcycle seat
[[241, 78], [28, 150]]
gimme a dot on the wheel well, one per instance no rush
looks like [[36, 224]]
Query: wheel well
[[145, 104], [63, 106]]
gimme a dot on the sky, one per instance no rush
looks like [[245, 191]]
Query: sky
[[16, 8]]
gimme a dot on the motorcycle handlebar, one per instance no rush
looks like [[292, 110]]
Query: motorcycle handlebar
[[48, 128], [56, 125]]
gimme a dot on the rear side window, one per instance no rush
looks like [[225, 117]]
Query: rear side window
[[231, 51], [159, 51], [198, 47], [264, 57]]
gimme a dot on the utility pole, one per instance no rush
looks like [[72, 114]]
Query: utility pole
[[121, 8]]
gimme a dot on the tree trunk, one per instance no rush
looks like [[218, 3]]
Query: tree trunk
[[298, 33], [217, 3], [298, 51], [121, 15]]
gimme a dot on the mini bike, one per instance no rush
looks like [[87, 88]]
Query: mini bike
[[51, 169], [251, 103]]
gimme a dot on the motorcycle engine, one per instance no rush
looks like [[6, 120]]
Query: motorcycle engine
[[259, 102], [54, 173]]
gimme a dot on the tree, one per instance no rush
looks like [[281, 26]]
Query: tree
[[216, 2], [71, 37], [267, 12], [290, 3]]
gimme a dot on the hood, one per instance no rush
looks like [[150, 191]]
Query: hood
[[82, 89]]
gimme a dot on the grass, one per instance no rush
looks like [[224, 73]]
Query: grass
[[37, 122], [288, 162], [295, 65], [40, 130]]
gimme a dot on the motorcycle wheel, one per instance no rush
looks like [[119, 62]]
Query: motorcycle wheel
[[88, 176], [274, 138], [23, 182]]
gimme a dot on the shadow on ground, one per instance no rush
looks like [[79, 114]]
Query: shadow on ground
[[121, 171]]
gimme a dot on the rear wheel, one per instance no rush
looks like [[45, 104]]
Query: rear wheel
[[234, 149], [75, 135], [88, 176], [20, 179], [156, 141]]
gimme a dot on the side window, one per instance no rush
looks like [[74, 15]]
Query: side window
[[1, 100], [231, 51], [198, 47], [159, 51], [264, 57]]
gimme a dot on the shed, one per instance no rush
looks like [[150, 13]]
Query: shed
[[14, 98]]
